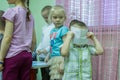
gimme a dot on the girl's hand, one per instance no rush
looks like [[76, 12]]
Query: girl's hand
[[61, 68], [61, 71], [1, 67], [90, 35], [46, 59]]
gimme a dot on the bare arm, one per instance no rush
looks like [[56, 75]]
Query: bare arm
[[33, 41], [6, 39], [47, 57], [66, 45], [39, 47], [98, 46]]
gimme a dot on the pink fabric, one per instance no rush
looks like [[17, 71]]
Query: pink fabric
[[22, 34], [103, 18]]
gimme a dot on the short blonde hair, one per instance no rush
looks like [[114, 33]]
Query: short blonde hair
[[56, 8]]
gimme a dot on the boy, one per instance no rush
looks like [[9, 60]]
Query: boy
[[78, 52], [43, 48]]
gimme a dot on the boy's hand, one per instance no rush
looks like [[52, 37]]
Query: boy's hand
[[38, 52], [41, 51], [90, 35]]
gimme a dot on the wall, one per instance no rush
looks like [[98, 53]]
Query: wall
[[3, 5], [36, 6]]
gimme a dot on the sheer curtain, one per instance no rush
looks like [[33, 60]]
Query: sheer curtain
[[103, 18]]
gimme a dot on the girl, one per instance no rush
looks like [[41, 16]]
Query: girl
[[2, 26], [78, 53], [18, 42], [57, 34]]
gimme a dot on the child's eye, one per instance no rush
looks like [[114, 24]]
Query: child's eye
[[54, 17], [61, 17]]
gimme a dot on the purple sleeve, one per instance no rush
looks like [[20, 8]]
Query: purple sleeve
[[9, 15]]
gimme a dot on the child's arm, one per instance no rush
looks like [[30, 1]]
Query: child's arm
[[5, 44], [33, 41], [44, 51], [47, 57], [61, 68], [66, 44], [98, 46], [39, 47]]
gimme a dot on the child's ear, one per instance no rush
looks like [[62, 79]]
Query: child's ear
[[65, 17], [69, 27]]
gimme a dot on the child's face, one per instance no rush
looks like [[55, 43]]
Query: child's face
[[77, 26], [80, 34], [45, 15], [58, 18], [11, 1]]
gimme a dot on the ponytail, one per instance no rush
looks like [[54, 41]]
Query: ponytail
[[28, 12]]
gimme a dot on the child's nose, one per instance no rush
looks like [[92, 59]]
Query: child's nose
[[57, 19]]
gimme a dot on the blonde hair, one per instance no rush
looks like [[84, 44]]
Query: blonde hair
[[58, 8]]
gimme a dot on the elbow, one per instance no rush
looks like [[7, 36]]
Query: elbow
[[64, 53], [100, 52], [7, 39], [34, 42]]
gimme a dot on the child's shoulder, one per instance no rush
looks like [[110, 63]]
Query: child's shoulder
[[64, 27], [11, 11], [15, 9]]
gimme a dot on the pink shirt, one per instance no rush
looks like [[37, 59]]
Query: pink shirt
[[23, 30]]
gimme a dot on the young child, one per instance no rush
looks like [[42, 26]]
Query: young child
[[78, 53], [18, 42], [57, 35], [2, 27], [44, 45]]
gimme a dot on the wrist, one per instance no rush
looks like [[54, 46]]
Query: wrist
[[1, 59], [94, 38], [1, 62]]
